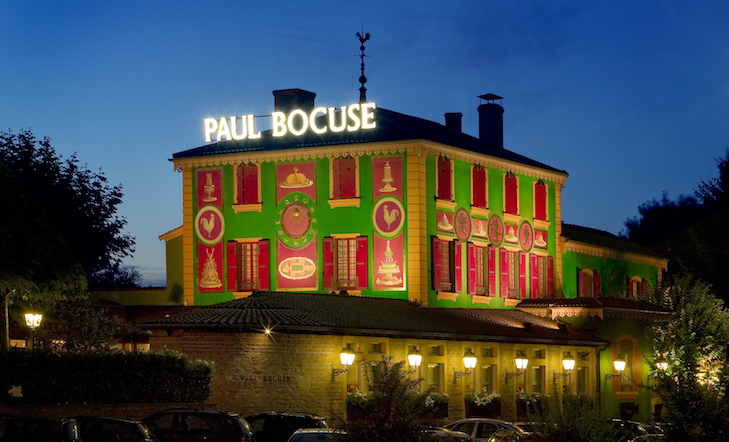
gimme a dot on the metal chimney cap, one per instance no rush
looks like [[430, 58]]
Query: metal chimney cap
[[490, 97]]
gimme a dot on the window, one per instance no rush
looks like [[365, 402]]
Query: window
[[481, 270], [247, 184], [540, 201], [345, 263], [582, 379], [478, 187], [344, 178], [488, 383], [513, 274], [511, 194], [446, 265], [435, 377], [542, 275], [443, 182], [588, 283], [538, 378], [248, 266], [637, 286]]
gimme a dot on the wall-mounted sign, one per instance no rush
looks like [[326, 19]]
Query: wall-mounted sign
[[350, 118]]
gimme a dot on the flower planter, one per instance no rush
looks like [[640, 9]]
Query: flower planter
[[440, 410], [491, 410]]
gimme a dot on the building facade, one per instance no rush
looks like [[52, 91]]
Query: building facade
[[366, 202]]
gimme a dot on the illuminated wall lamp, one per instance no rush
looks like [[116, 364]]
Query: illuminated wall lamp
[[568, 363], [33, 320], [619, 366], [346, 357], [415, 358], [522, 361], [469, 362], [661, 363]]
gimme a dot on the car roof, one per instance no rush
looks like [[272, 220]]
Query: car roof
[[106, 419], [286, 413]]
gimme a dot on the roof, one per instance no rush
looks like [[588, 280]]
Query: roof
[[368, 316], [602, 307], [602, 238], [391, 126]]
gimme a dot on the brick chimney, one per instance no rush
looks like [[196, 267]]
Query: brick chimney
[[286, 100], [491, 121]]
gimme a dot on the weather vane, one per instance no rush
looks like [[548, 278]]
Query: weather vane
[[362, 78]]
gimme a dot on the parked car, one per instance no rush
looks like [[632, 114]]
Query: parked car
[[183, 425], [432, 434], [480, 429], [278, 426], [104, 429], [20, 428], [317, 435], [505, 435], [633, 431]]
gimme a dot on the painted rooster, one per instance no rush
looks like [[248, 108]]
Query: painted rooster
[[389, 217]]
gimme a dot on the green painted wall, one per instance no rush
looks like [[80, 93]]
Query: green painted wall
[[612, 273]]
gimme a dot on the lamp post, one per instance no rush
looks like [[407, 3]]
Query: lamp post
[[522, 362], [346, 358], [568, 364], [619, 366], [33, 321]]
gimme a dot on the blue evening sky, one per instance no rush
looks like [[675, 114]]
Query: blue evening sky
[[631, 98]]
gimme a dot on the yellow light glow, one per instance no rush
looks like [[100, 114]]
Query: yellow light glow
[[33, 320], [568, 363], [619, 364], [469, 359]]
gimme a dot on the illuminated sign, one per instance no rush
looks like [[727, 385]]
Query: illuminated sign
[[350, 118]]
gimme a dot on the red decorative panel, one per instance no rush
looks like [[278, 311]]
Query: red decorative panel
[[389, 263], [209, 187], [210, 267], [387, 177], [297, 268], [295, 177]]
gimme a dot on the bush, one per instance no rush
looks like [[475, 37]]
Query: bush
[[47, 377]]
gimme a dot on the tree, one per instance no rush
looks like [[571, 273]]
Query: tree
[[394, 410], [694, 342], [36, 264], [83, 205]]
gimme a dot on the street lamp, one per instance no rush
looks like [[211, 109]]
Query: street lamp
[[568, 363], [33, 321], [469, 362], [415, 358], [346, 357], [521, 361]]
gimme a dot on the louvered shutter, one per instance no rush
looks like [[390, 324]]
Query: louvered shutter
[[250, 186], [472, 272], [264, 276], [361, 262], [240, 176], [336, 178], [580, 283], [437, 264], [232, 264], [458, 258], [534, 276], [479, 187], [504, 273], [550, 276], [511, 195], [629, 282], [522, 275], [328, 248], [540, 201], [643, 287], [348, 178], [597, 285], [444, 178], [492, 270]]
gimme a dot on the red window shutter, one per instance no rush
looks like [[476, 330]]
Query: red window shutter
[[458, 283], [479, 187], [471, 257], [264, 277], [444, 178], [437, 267], [240, 176], [492, 270], [644, 287], [540, 201], [337, 178], [629, 282], [250, 185], [597, 285], [328, 262], [232, 247], [522, 275], [504, 273], [580, 283], [348, 178], [511, 194], [361, 262], [550, 276], [534, 275]]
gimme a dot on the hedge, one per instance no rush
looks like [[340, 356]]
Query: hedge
[[43, 377]]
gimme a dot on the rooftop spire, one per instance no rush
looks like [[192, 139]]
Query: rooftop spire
[[362, 78]]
